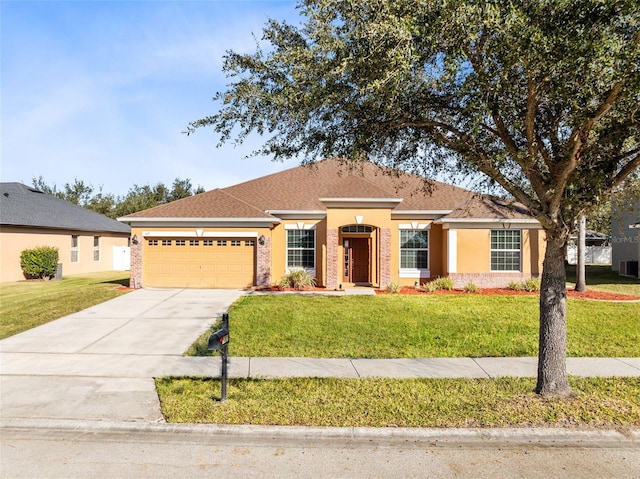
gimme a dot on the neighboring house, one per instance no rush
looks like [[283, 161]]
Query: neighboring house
[[358, 226], [87, 242], [625, 229]]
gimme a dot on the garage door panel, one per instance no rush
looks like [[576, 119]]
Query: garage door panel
[[171, 262]]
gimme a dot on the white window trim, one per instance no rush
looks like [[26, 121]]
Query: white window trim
[[96, 249], [414, 272], [491, 250], [289, 269], [75, 249]]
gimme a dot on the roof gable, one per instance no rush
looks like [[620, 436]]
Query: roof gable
[[21, 205]]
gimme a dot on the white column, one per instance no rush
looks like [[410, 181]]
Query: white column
[[452, 251]]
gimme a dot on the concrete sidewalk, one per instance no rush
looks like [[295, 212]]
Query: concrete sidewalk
[[99, 364]]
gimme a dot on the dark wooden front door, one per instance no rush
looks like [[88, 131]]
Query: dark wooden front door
[[359, 260]]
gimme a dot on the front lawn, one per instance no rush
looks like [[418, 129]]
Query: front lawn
[[409, 326], [506, 402], [601, 278], [27, 304]]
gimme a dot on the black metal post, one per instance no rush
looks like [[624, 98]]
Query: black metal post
[[223, 379], [224, 349]]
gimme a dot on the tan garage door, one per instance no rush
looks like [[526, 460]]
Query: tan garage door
[[199, 263]]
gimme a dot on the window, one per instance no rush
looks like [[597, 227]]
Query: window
[[505, 250], [166, 242], [414, 249], [96, 248], [301, 249], [357, 229], [153, 242], [194, 242], [74, 248], [207, 242], [249, 243], [222, 242], [181, 242], [236, 243]]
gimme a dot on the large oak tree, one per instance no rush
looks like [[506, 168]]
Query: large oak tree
[[541, 96]]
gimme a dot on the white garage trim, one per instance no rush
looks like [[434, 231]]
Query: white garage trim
[[199, 234]]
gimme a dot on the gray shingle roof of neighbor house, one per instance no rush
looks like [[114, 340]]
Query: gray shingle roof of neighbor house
[[21, 205]]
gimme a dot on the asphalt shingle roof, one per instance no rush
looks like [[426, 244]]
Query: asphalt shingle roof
[[489, 207], [302, 187], [21, 205]]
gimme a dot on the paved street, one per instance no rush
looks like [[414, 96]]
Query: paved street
[[220, 452]]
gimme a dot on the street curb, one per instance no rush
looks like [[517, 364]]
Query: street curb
[[340, 436]]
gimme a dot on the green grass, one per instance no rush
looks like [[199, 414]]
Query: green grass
[[27, 304], [601, 278], [507, 402], [408, 326]]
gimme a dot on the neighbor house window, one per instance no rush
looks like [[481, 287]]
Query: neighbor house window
[[301, 249], [414, 250], [96, 248], [74, 248], [505, 250]]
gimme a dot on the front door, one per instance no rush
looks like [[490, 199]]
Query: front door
[[360, 264]]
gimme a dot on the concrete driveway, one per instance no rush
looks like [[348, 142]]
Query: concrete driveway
[[99, 364]]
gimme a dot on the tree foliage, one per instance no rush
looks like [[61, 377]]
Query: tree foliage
[[137, 198], [539, 96]]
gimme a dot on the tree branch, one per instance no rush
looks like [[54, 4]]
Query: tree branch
[[578, 138], [626, 171]]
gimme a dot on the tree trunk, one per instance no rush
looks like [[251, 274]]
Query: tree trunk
[[581, 283], [552, 353]]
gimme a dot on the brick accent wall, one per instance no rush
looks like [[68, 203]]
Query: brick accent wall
[[263, 263], [488, 280], [332, 259], [385, 257], [135, 276]]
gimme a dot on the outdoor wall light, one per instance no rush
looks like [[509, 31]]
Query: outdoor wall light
[[134, 240], [261, 240]]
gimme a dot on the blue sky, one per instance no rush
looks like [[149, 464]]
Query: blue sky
[[102, 91]]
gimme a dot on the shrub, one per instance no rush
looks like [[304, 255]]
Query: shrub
[[429, 287], [532, 284], [393, 287], [471, 287], [516, 286], [438, 284], [40, 262], [297, 279]]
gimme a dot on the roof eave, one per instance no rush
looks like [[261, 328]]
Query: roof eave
[[448, 223], [420, 214], [200, 221], [361, 202], [302, 214]]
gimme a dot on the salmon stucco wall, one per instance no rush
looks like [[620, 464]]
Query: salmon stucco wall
[[474, 258], [13, 240]]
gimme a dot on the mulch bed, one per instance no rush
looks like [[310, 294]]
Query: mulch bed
[[596, 295], [589, 294]]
